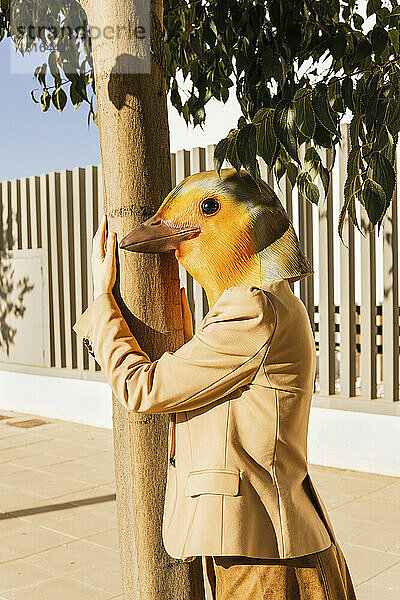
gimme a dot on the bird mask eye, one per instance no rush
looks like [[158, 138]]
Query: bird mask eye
[[210, 206]]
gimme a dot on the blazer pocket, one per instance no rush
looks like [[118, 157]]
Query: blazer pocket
[[212, 481]]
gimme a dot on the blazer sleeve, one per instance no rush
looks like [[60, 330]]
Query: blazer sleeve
[[224, 354]]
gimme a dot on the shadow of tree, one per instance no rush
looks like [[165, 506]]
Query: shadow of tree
[[12, 294]]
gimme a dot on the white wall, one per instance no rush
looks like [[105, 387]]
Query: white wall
[[87, 402], [337, 438]]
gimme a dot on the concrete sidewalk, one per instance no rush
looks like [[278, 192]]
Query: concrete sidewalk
[[58, 530]]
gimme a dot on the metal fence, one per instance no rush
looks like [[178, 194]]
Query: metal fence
[[47, 225]]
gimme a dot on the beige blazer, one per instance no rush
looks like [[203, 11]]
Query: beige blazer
[[240, 393]]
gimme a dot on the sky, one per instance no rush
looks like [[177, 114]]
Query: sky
[[32, 142]]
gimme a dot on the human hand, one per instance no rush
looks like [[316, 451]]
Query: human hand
[[104, 266], [186, 317]]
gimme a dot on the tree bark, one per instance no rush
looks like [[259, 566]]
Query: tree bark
[[135, 154]]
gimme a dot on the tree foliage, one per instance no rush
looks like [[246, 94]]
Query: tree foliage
[[297, 68]]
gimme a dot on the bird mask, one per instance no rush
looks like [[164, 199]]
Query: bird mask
[[226, 231]]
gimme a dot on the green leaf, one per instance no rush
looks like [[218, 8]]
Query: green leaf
[[335, 97], [59, 98], [285, 127], [373, 6], [379, 39], [307, 188], [384, 174], [76, 98], [363, 49], [374, 200], [220, 154], [338, 44], [352, 188], [304, 115], [280, 169], [347, 92], [313, 164], [322, 110], [292, 172], [33, 97], [322, 136], [45, 101], [266, 139], [231, 151], [393, 117], [247, 149], [384, 142], [394, 36]]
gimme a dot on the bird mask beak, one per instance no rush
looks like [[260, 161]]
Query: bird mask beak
[[155, 236]]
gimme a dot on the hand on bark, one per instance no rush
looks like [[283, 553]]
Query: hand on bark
[[104, 267], [186, 317]]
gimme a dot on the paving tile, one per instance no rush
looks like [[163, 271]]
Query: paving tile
[[12, 500], [389, 493], [28, 540], [9, 469], [59, 589], [386, 585], [371, 510], [107, 578], [44, 484], [20, 439], [108, 538], [365, 563], [94, 495], [69, 559], [101, 439], [102, 459], [81, 524], [36, 460], [82, 471], [64, 449], [353, 487], [20, 573], [13, 454], [380, 537], [346, 526], [49, 513], [371, 591]]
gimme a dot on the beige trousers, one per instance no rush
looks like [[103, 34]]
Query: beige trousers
[[322, 575]]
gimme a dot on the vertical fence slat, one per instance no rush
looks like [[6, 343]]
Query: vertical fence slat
[[198, 160], [173, 170], [25, 214], [54, 193], [306, 237], [326, 289], [98, 212], [13, 215], [36, 210], [200, 306], [210, 156], [368, 312], [182, 170], [91, 211], [3, 215], [78, 196], [285, 195], [347, 286], [390, 308], [67, 249]]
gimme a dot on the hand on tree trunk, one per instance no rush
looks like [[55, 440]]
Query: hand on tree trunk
[[104, 264], [186, 317]]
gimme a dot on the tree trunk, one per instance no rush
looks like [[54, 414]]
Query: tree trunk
[[134, 141]]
